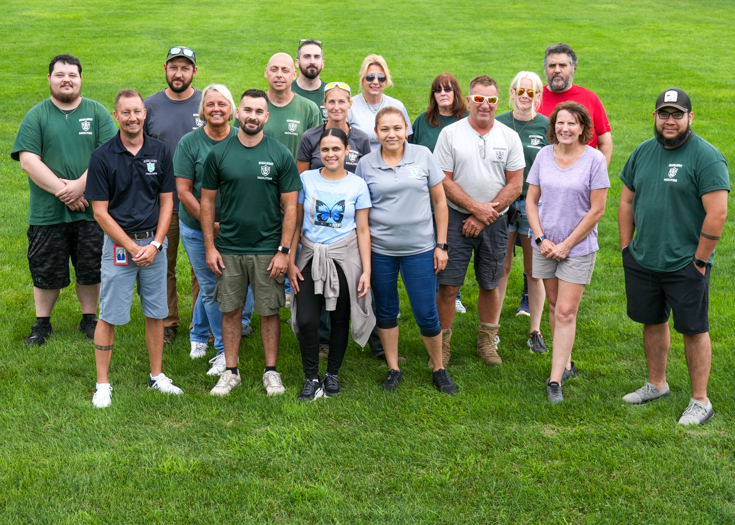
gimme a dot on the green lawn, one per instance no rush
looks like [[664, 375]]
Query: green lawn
[[495, 453]]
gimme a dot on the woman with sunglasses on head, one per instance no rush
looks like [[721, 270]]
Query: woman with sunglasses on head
[[333, 268], [531, 126], [572, 178], [404, 182], [374, 78]]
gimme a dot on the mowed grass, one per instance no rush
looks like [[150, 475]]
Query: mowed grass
[[495, 453]]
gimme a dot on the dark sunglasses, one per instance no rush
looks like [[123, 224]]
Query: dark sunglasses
[[529, 92], [447, 89], [371, 78]]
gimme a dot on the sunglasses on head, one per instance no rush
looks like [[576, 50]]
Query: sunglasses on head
[[529, 92], [664, 115], [479, 99], [184, 51], [371, 78], [447, 89], [341, 85], [311, 40]]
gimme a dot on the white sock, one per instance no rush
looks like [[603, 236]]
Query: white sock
[[102, 384]]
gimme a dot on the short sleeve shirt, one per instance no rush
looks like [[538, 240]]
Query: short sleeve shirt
[[400, 219], [362, 116], [316, 96], [478, 162], [288, 124], [533, 138], [309, 148], [329, 206], [425, 134], [131, 184], [64, 145], [585, 97], [250, 182], [667, 206]]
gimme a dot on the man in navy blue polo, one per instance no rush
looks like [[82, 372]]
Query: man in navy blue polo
[[130, 182]]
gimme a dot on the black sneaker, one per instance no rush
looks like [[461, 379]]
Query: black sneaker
[[330, 385], [553, 391], [392, 379], [169, 334], [39, 333], [536, 343], [312, 390], [88, 327], [443, 382], [567, 374]]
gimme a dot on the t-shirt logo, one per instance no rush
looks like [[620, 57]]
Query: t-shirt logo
[[327, 212], [535, 141], [414, 173], [352, 156], [198, 121], [151, 166], [292, 126], [673, 170], [265, 170], [86, 125], [499, 155]]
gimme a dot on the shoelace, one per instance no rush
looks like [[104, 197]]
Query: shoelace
[[215, 359], [693, 408], [272, 379], [310, 387], [331, 381], [443, 377]]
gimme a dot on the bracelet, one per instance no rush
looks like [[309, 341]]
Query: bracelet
[[710, 237]]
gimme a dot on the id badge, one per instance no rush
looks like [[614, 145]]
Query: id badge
[[121, 255]]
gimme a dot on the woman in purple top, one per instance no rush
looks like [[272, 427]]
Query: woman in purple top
[[572, 177]]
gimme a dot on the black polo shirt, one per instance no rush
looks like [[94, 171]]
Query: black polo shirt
[[131, 184]]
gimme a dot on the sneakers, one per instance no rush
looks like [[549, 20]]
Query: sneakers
[[39, 333], [312, 390], [88, 327], [646, 393], [497, 339], [227, 381], [323, 352], [218, 365], [523, 308], [272, 383], [164, 385], [697, 413], [392, 380], [247, 330], [553, 392], [536, 343], [459, 307], [446, 348], [572, 372], [487, 348], [198, 350], [102, 396], [169, 334], [330, 386], [288, 300], [443, 382]]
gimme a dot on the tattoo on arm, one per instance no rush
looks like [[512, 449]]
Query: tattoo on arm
[[103, 348], [710, 237]]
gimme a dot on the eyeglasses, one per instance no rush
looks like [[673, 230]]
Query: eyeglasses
[[447, 89], [341, 85], [664, 115], [479, 99], [311, 40], [185, 51], [529, 92], [482, 146], [371, 78]]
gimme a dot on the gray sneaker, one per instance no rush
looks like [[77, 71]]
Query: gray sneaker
[[553, 391], [646, 393], [697, 413]]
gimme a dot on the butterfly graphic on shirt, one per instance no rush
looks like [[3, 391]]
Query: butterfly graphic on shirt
[[330, 216]]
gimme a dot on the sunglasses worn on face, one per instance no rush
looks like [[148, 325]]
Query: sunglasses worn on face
[[183, 51], [371, 78], [529, 92], [479, 99], [447, 89], [333, 85], [664, 115]]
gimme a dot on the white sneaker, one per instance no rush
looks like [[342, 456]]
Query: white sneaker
[[288, 300], [697, 413], [459, 307], [227, 381], [198, 350], [102, 396], [272, 383], [164, 385], [218, 365]]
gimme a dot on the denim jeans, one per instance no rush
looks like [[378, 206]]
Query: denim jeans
[[419, 279]]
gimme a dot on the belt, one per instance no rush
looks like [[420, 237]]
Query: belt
[[142, 235]]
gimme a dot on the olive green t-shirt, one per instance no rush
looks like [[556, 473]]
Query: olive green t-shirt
[[316, 96], [288, 123], [533, 138], [250, 182], [667, 206], [425, 134], [189, 160], [64, 144]]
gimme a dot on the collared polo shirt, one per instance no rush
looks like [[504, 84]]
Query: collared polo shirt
[[131, 183], [400, 219]]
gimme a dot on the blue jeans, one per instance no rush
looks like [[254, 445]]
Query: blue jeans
[[419, 279]]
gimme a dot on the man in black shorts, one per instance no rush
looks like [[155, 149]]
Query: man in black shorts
[[53, 146], [675, 201]]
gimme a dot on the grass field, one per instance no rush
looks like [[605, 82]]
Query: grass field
[[495, 453]]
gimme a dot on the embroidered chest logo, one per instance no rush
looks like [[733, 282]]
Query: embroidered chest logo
[[292, 126], [353, 156], [535, 141], [499, 155], [671, 175], [86, 125], [199, 122], [265, 170], [151, 166]]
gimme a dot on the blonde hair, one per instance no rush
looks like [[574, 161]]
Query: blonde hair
[[222, 90], [538, 87], [376, 60]]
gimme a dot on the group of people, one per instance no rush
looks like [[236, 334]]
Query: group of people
[[319, 197]]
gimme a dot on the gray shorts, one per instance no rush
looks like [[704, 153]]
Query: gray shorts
[[575, 270], [489, 249], [118, 282], [241, 271]]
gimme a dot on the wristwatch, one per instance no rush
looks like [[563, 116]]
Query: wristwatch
[[157, 245], [284, 249], [541, 239], [700, 262], [444, 246]]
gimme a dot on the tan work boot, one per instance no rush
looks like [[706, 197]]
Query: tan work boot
[[446, 348], [487, 350]]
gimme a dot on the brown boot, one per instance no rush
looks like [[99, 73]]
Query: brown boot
[[446, 348], [487, 350]]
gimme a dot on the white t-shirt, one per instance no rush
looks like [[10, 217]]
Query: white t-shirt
[[363, 117], [478, 162]]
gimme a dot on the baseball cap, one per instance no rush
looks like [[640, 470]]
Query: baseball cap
[[181, 51], [675, 98]]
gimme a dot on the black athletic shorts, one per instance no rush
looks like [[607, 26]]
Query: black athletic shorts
[[653, 295], [49, 250]]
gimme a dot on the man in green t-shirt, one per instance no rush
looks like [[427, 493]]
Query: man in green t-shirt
[[675, 201], [253, 174], [53, 146], [290, 115], [310, 61]]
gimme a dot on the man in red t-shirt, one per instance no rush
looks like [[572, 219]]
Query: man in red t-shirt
[[560, 63]]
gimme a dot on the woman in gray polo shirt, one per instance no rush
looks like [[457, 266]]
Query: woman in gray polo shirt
[[404, 181]]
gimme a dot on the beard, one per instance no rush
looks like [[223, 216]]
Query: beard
[[556, 84], [675, 142], [251, 132], [184, 86], [64, 98], [310, 73]]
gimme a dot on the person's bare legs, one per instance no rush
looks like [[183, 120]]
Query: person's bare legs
[[389, 340], [104, 339], [488, 305], [231, 335], [270, 333], [536, 292], [434, 348], [507, 266], [657, 341], [154, 343], [89, 296], [566, 306], [445, 304], [45, 301], [698, 350]]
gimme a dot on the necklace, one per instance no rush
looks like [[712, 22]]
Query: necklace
[[369, 105], [70, 112], [513, 119]]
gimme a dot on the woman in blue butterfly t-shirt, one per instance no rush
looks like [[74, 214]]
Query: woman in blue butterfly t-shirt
[[333, 211]]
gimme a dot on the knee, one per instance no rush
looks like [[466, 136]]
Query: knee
[[565, 315], [448, 292]]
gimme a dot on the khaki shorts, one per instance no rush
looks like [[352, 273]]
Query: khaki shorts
[[575, 270], [241, 271]]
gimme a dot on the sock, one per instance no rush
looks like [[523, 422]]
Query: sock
[[270, 368], [233, 370], [46, 320], [89, 317], [314, 378], [101, 384]]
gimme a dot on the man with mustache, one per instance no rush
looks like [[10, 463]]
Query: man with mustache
[[675, 201], [310, 61], [53, 146], [560, 64]]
